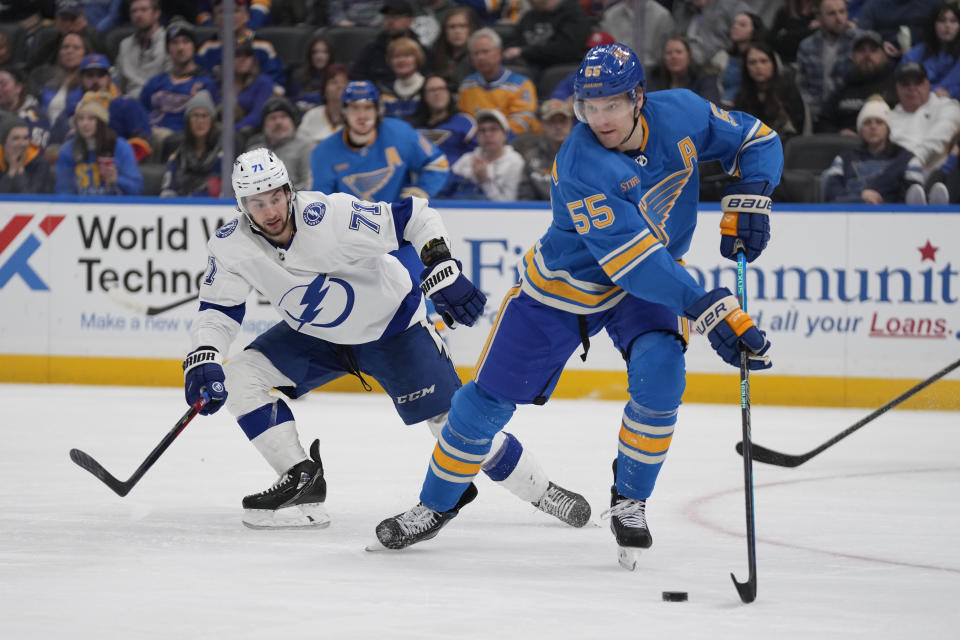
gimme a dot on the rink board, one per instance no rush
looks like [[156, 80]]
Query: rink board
[[859, 303]]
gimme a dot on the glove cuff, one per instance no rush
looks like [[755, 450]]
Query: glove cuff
[[718, 310], [441, 275], [746, 203], [202, 355]]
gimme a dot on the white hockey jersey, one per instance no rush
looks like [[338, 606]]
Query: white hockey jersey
[[336, 280]]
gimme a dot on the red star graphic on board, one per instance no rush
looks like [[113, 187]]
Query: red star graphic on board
[[928, 252]]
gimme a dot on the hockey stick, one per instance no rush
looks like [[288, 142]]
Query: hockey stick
[[748, 589], [769, 456], [124, 298], [85, 461]]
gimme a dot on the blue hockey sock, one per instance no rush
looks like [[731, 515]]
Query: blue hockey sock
[[475, 416]]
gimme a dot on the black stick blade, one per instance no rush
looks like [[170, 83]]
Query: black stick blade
[[769, 456], [85, 461], [747, 590]]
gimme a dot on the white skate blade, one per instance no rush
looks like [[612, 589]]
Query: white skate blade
[[627, 557], [376, 546], [296, 517]]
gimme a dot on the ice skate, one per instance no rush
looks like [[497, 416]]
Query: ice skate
[[628, 522], [567, 506], [419, 523], [295, 500]]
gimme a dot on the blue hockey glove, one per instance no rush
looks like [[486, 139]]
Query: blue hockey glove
[[718, 316], [455, 297], [202, 371], [745, 225]]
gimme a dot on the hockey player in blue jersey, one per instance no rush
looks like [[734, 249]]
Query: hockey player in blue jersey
[[624, 198], [348, 307]]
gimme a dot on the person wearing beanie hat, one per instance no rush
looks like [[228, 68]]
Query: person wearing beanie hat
[[278, 129], [96, 161], [878, 171], [23, 167], [193, 169]]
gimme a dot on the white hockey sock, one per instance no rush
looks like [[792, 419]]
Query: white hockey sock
[[280, 446], [515, 469]]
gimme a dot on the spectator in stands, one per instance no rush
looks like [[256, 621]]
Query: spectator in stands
[[251, 87], [888, 17], [210, 53], [194, 169], [6, 51], [706, 23], [258, 15], [746, 28], [823, 59], [922, 122], [64, 86], [945, 182], [438, 120], [23, 167], [320, 122], [878, 171], [15, 100], [451, 57], [142, 54], [939, 53], [102, 14], [278, 129], [872, 73], [552, 32], [428, 15], [96, 161], [495, 87], [371, 64], [128, 118], [793, 22], [347, 13], [494, 169], [679, 71], [557, 119], [400, 99], [306, 82], [766, 94], [165, 95], [618, 20], [69, 18], [494, 11], [376, 158]]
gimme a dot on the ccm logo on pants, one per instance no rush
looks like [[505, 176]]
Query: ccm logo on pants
[[416, 395]]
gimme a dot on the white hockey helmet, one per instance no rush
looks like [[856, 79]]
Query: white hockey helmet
[[257, 171]]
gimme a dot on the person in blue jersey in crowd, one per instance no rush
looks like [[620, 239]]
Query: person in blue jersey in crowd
[[624, 198], [442, 123]]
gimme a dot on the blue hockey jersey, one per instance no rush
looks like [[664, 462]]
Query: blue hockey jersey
[[622, 221], [396, 158]]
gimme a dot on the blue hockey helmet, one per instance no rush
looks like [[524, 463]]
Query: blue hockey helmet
[[360, 90], [607, 70]]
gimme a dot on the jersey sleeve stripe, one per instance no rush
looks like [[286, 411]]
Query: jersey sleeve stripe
[[617, 264]]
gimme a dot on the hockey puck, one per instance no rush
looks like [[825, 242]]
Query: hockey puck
[[675, 596]]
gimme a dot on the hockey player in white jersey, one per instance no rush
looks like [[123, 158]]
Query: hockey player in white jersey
[[347, 307]]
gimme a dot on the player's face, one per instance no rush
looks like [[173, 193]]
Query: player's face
[[610, 118], [269, 211], [361, 117], [874, 131]]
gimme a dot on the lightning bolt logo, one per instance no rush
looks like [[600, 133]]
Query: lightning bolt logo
[[312, 300]]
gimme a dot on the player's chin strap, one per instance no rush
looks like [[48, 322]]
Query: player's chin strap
[[255, 227], [636, 121]]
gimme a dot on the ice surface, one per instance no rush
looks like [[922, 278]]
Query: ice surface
[[860, 542]]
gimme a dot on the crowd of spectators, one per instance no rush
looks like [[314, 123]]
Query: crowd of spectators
[[124, 97]]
